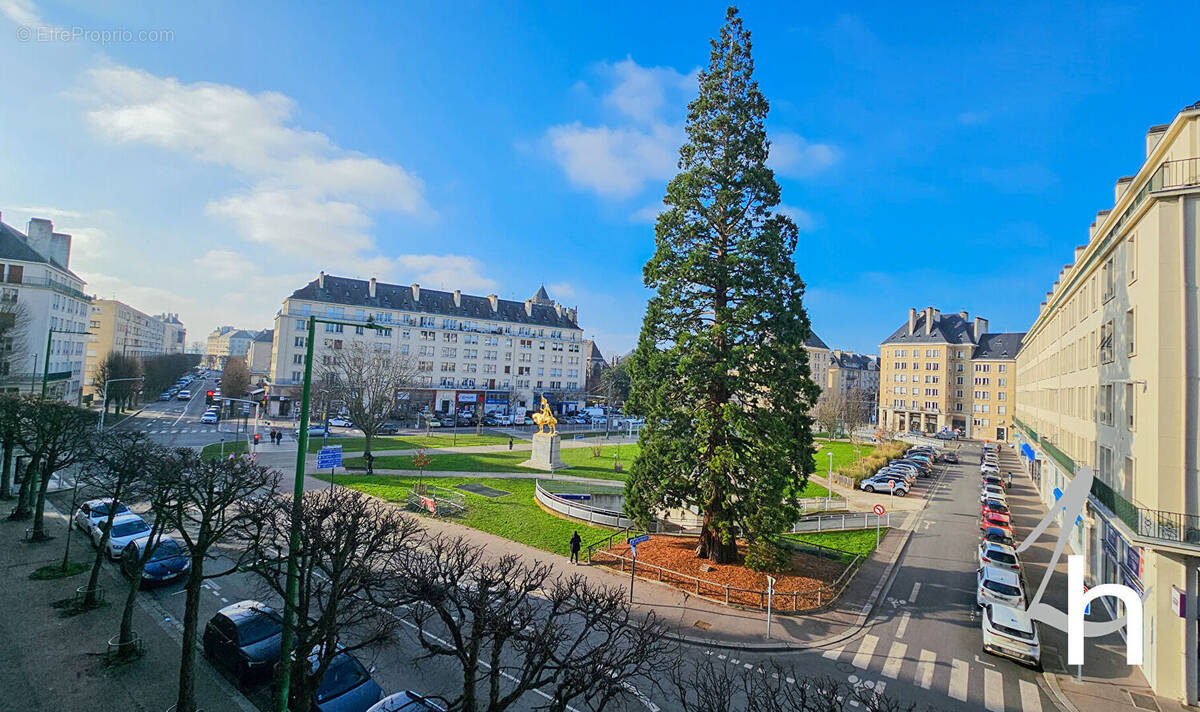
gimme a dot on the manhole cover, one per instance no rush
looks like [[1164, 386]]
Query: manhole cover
[[1143, 702], [703, 625], [484, 490]]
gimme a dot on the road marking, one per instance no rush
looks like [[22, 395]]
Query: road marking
[[895, 659], [924, 675], [863, 657], [833, 654], [912, 597], [1031, 701], [959, 671], [903, 624], [993, 691]]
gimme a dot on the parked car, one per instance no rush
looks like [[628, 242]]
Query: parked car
[[997, 535], [992, 492], [950, 457], [209, 417], [884, 484], [244, 638], [989, 468], [125, 529], [95, 510], [993, 505], [316, 431], [999, 585], [346, 687], [433, 422], [340, 422], [993, 554], [994, 519], [1008, 631], [168, 561], [407, 701], [991, 480], [387, 429], [166, 396]]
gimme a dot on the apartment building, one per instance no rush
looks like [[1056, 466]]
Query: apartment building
[[468, 350], [947, 373], [41, 303], [818, 359], [174, 333], [856, 375], [1109, 377], [226, 342], [116, 326], [259, 359]]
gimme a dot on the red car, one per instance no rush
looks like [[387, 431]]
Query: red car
[[993, 505], [995, 519]]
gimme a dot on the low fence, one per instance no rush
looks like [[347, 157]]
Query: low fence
[[809, 599], [840, 522], [438, 501], [575, 510], [832, 503]]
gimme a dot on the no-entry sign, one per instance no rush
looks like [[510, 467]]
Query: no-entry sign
[[879, 510]]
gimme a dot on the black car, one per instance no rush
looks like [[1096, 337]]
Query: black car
[[244, 638], [388, 429], [167, 562], [992, 480], [997, 536], [950, 457]]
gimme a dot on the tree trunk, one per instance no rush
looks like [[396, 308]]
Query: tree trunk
[[712, 547], [39, 511], [186, 701], [6, 471], [22, 510]]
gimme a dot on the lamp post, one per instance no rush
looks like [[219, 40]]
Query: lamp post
[[46, 368], [104, 399], [829, 481], [288, 643]]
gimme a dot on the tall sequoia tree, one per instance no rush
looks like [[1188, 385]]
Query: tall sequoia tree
[[720, 372]]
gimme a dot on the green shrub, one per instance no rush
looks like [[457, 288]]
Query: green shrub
[[763, 555]]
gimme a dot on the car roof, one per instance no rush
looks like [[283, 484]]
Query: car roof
[[1011, 617], [1002, 575], [122, 518], [990, 545], [244, 609], [995, 530]]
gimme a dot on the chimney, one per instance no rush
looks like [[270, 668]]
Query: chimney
[[416, 291], [1153, 136], [321, 280], [1079, 250], [1122, 186], [371, 288], [60, 248], [458, 297], [494, 301], [912, 320], [558, 309], [39, 233], [528, 307], [963, 315], [928, 321], [981, 327], [1091, 231]]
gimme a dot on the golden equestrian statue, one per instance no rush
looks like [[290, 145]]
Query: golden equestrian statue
[[545, 419]]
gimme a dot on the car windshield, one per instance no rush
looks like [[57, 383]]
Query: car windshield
[[1013, 632], [260, 626], [997, 506], [998, 536], [1001, 588], [1001, 556], [344, 674], [101, 510], [166, 549], [129, 528]]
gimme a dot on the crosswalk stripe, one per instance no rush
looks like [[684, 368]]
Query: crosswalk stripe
[[863, 657], [959, 670], [924, 675], [895, 658], [834, 653], [1031, 700], [993, 691], [916, 589], [903, 624]]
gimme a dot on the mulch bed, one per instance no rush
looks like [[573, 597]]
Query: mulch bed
[[663, 558]]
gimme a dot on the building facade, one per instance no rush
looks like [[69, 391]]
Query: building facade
[[1109, 378], [469, 351], [946, 373], [118, 327], [259, 360], [41, 303], [226, 342], [855, 376], [174, 333], [818, 359]]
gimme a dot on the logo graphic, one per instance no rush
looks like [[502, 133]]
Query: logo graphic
[[1070, 506]]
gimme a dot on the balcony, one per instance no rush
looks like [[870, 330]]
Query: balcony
[[1170, 175], [56, 286]]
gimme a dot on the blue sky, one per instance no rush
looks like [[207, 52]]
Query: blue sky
[[934, 154]]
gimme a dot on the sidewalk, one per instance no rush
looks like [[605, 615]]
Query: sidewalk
[[52, 663]]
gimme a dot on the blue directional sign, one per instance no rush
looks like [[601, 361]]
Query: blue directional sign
[[329, 456], [634, 541]]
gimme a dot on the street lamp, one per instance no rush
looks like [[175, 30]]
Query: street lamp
[[104, 399], [46, 368], [288, 643]]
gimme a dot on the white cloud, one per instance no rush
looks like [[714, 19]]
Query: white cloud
[[445, 272], [793, 155], [558, 290], [642, 92], [22, 12], [802, 218], [648, 213], [615, 162]]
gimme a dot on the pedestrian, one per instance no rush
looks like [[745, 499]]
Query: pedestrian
[[575, 544], [1008, 479], [370, 463], [510, 441]]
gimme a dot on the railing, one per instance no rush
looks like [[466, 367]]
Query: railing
[[832, 503], [1176, 174], [55, 285], [840, 522], [1059, 456]]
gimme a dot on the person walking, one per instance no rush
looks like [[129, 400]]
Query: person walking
[[576, 542], [510, 441]]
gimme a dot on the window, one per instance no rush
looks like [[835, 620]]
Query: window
[[1106, 342], [1105, 405], [301, 324], [10, 296], [1131, 258], [1130, 397], [15, 273], [333, 328], [1104, 463], [299, 342], [1110, 279], [1130, 334]]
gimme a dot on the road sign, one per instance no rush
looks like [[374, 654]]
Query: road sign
[[634, 541], [329, 456], [892, 484], [879, 510]]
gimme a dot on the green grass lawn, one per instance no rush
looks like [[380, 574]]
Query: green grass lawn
[[233, 446], [514, 516], [860, 542], [580, 460], [843, 454], [411, 442]]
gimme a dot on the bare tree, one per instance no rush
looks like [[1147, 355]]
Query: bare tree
[[351, 558], [235, 379], [58, 436], [10, 423], [117, 365], [366, 379], [578, 641], [14, 344], [213, 499], [857, 408], [829, 410]]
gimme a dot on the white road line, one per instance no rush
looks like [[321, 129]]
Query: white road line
[[895, 659], [833, 654], [903, 624], [863, 657], [912, 597], [959, 672], [1031, 700], [924, 675], [993, 691]]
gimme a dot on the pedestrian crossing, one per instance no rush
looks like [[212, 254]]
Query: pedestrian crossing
[[925, 670]]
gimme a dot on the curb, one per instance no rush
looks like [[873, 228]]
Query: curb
[[127, 418], [1060, 699]]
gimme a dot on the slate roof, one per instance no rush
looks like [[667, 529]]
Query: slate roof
[[947, 328], [814, 341], [267, 335], [13, 246], [344, 291], [242, 334], [859, 362], [999, 346], [541, 295]]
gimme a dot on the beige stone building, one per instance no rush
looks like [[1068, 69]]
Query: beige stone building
[[944, 372], [259, 357], [1109, 377], [174, 333], [118, 327], [855, 375], [818, 359], [225, 342]]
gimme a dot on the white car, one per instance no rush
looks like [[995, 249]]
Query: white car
[[1008, 631], [999, 585], [988, 468], [95, 510], [340, 422], [209, 417], [125, 529], [993, 554], [184, 395], [992, 492]]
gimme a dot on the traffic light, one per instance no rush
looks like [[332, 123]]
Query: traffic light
[[208, 397], [256, 438]]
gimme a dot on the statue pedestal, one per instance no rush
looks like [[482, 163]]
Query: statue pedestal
[[545, 455]]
